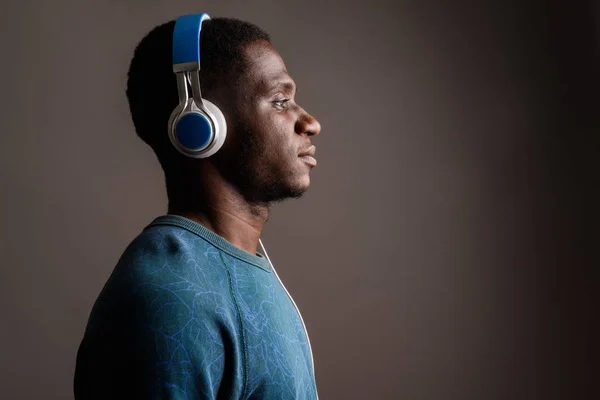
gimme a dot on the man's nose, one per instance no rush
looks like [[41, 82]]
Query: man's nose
[[308, 124]]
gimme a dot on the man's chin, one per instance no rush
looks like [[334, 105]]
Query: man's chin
[[295, 193], [279, 193]]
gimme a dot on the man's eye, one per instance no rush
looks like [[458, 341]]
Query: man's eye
[[281, 103]]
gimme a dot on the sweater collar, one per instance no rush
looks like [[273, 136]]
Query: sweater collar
[[214, 239]]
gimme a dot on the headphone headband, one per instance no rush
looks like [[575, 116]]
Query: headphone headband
[[186, 37], [197, 128]]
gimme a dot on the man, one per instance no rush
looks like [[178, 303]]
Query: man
[[191, 311]]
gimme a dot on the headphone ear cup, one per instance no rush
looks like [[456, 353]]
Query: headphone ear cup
[[193, 131], [220, 132]]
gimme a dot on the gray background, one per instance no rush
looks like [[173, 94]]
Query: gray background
[[448, 244]]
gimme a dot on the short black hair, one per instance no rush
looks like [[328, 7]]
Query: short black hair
[[152, 85]]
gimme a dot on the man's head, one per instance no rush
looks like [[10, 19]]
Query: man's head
[[246, 78]]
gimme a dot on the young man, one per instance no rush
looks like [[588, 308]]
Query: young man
[[191, 311]]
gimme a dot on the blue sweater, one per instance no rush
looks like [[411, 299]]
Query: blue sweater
[[187, 315]]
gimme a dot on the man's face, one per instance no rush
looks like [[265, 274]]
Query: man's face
[[268, 132]]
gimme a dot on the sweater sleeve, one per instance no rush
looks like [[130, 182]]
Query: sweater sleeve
[[163, 328], [188, 348]]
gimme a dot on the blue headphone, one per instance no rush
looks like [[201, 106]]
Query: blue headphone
[[197, 127]]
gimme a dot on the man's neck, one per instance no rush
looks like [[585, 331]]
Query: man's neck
[[223, 211]]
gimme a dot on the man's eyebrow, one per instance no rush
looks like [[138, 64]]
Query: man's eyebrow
[[286, 86], [289, 86]]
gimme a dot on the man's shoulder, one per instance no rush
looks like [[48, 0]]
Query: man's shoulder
[[167, 253], [162, 313], [166, 271], [165, 264]]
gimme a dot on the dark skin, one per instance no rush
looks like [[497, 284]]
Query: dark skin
[[261, 161]]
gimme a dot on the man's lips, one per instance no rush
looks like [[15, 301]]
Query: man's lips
[[309, 160], [308, 156]]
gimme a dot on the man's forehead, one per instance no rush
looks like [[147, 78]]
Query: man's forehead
[[265, 65], [263, 53]]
